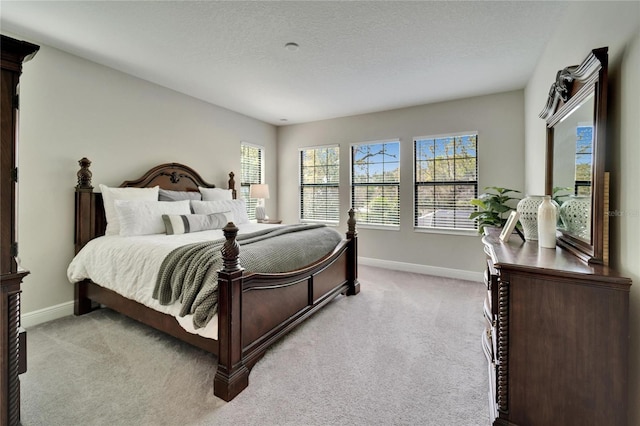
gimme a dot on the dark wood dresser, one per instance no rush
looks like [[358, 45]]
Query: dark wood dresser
[[557, 337], [12, 338]]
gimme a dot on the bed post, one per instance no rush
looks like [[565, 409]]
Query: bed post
[[84, 228], [232, 375], [85, 219], [352, 258], [232, 185]]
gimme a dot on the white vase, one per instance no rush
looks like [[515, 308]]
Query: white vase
[[575, 214], [528, 209], [547, 219]]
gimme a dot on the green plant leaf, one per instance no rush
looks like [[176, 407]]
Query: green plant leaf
[[493, 206]]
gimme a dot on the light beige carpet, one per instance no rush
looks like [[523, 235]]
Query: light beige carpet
[[405, 351]]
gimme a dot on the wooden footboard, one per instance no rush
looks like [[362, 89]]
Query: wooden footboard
[[255, 310]]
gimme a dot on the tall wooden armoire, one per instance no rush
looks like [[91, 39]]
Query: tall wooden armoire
[[12, 338]]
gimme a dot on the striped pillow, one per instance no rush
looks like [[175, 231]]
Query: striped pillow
[[185, 223]]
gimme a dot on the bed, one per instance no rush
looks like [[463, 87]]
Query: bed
[[254, 309]]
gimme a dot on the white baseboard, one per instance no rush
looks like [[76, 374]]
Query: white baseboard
[[30, 319], [423, 269]]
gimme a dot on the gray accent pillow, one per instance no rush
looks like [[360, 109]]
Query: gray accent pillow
[[183, 224], [167, 195]]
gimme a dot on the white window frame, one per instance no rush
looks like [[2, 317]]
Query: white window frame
[[244, 186], [365, 222], [301, 186], [473, 231]]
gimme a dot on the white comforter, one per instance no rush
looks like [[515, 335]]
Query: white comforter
[[129, 266]]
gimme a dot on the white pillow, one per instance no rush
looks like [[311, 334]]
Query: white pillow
[[237, 207], [167, 195], [109, 195], [145, 217], [215, 194]]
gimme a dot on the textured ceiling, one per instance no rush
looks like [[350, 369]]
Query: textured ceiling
[[354, 57]]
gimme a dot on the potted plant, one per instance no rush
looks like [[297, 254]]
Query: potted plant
[[494, 207], [557, 197]]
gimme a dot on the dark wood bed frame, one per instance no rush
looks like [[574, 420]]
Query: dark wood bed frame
[[254, 310]]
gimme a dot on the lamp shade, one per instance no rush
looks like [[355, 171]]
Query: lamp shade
[[260, 190]]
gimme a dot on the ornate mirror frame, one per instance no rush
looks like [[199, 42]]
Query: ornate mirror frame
[[574, 85]]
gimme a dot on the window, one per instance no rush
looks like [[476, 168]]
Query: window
[[375, 182], [252, 171], [319, 184], [446, 179], [584, 156]]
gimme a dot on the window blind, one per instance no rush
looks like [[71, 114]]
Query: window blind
[[584, 160], [375, 182], [446, 180], [319, 184], [251, 172]]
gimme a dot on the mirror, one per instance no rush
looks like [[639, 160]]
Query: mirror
[[576, 124], [573, 170]]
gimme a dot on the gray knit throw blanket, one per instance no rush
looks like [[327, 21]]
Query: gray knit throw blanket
[[189, 274]]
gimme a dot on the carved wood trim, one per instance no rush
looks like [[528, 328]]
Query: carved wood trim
[[172, 176], [568, 82], [502, 394], [15, 53], [231, 184], [351, 224], [84, 175], [10, 343], [230, 249], [605, 221], [352, 265], [13, 352]]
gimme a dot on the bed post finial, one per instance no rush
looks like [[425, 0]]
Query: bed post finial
[[84, 174], [232, 185], [232, 181], [230, 249], [351, 224]]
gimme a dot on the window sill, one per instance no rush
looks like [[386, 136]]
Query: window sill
[[460, 232], [325, 222], [378, 227]]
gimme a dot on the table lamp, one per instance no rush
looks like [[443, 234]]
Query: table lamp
[[260, 192]]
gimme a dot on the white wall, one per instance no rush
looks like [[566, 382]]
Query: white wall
[[497, 118], [72, 108], [626, 228], [589, 25]]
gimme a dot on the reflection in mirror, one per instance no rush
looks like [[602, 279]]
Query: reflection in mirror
[[573, 169]]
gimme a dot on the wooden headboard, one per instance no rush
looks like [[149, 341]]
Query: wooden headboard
[[89, 209]]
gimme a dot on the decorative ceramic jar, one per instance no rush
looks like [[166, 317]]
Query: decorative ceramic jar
[[575, 214], [547, 220], [528, 209]]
